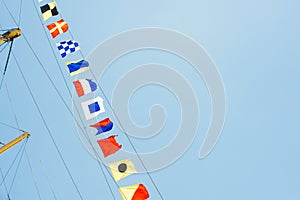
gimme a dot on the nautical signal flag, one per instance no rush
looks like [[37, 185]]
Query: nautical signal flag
[[77, 67], [58, 27], [67, 47], [49, 10], [134, 192], [109, 145], [84, 86], [93, 107], [103, 126], [121, 169]]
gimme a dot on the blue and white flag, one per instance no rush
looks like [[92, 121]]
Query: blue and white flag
[[67, 47], [84, 86], [93, 107], [77, 67]]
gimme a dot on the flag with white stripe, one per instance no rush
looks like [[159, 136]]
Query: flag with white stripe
[[84, 86]]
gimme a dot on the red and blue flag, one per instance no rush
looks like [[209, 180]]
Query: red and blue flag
[[103, 126]]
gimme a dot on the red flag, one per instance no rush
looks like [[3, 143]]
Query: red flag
[[109, 145], [58, 27], [141, 193]]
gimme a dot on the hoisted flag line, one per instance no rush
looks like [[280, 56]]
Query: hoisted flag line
[[69, 110], [93, 107]]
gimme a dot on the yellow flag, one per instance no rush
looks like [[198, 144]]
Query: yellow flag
[[121, 169]]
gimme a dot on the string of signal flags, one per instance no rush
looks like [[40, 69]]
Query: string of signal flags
[[93, 107]]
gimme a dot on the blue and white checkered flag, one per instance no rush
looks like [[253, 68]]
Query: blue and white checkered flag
[[67, 47]]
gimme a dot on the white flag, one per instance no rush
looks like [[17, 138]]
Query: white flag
[[93, 107]]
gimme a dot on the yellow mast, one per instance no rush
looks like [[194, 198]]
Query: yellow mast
[[14, 142]]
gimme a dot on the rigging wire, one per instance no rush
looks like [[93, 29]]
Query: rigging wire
[[5, 187], [20, 13], [5, 45], [2, 44], [44, 171], [11, 105], [27, 157], [17, 123], [43, 119], [12, 127], [60, 95], [10, 167], [68, 107], [70, 95], [6, 64], [33, 177], [18, 166], [48, 129], [11, 15]]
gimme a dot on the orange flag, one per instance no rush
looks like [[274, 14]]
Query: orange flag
[[109, 145]]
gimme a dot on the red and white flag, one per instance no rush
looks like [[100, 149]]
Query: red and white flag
[[58, 27]]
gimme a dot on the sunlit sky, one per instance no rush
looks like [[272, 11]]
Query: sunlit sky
[[255, 46]]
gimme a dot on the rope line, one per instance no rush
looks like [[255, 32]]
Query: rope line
[[33, 176], [12, 127], [47, 128], [60, 95], [27, 157], [44, 171], [18, 166], [20, 13], [10, 167], [5, 45], [6, 64], [5, 187], [11, 15], [11, 105]]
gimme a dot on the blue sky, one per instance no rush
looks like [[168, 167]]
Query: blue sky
[[254, 44]]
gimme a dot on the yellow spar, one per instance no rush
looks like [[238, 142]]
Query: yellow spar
[[10, 35], [14, 142]]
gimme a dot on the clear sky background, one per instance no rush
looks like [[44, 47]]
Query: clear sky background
[[255, 45]]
